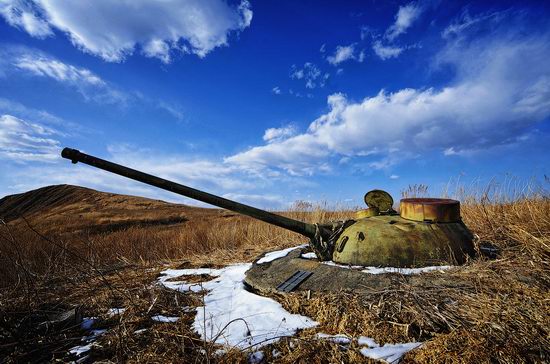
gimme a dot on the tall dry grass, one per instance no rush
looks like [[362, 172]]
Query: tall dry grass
[[25, 250], [490, 310]]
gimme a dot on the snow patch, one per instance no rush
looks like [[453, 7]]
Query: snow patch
[[161, 318], [168, 275], [405, 271], [391, 353], [256, 357], [233, 316], [338, 339], [366, 341], [383, 270], [310, 255], [331, 263], [80, 349], [115, 311], [269, 257], [87, 323], [89, 339]]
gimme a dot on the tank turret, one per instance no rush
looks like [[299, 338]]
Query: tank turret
[[426, 232]]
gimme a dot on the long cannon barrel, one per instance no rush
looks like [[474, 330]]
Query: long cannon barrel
[[300, 227]]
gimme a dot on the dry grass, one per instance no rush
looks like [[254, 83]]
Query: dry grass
[[490, 310]]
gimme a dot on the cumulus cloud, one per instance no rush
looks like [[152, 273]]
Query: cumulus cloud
[[276, 90], [386, 52], [310, 74], [405, 17], [501, 90], [277, 134], [113, 30], [23, 141], [342, 54]]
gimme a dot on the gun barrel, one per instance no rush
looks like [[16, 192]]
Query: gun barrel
[[274, 219]]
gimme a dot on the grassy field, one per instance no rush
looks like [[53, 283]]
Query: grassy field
[[95, 251]]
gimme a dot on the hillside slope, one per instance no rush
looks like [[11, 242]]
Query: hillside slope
[[69, 209]]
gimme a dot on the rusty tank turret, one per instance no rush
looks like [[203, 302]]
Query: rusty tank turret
[[426, 231]]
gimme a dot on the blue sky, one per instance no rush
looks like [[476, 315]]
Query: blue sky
[[269, 102]]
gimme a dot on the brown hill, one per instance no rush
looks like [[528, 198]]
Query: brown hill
[[69, 209]]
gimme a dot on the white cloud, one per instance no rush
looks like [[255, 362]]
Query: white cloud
[[24, 15], [450, 151], [39, 64], [310, 74], [23, 112], [257, 199], [342, 54], [172, 109], [90, 85], [405, 17], [394, 176], [299, 155], [59, 71], [157, 48], [276, 90], [501, 90], [202, 173], [466, 22], [278, 134], [386, 52], [23, 141], [113, 30], [361, 56]]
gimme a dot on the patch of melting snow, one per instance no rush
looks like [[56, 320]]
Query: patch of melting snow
[[310, 255], [331, 263], [405, 271], [338, 339], [220, 352], [115, 311], [80, 349], [89, 339], [368, 341], [233, 316], [383, 270], [269, 257], [87, 322], [391, 353], [95, 333], [256, 357], [182, 286], [161, 318]]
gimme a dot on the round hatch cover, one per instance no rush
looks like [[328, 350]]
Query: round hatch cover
[[379, 199], [430, 209]]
